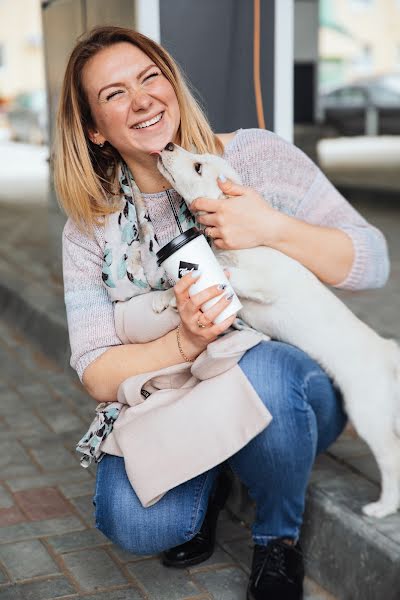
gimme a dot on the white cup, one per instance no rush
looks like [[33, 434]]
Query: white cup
[[190, 252]]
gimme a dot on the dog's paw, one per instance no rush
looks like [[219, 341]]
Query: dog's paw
[[378, 510], [172, 303], [161, 300]]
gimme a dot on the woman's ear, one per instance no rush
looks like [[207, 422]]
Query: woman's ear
[[96, 137]]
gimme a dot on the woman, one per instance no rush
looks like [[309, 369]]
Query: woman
[[123, 98]]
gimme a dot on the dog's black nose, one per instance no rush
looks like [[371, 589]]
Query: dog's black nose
[[169, 147]]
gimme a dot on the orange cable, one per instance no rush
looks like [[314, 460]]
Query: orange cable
[[256, 66]]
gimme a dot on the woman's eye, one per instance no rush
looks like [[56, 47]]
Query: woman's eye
[[115, 94], [197, 168], [155, 74]]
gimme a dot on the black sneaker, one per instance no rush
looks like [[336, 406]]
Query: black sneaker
[[277, 572]]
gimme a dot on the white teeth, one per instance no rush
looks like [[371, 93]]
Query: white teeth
[[148, 123]]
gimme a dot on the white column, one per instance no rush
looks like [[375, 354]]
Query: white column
[[148, 18], [284, 68]]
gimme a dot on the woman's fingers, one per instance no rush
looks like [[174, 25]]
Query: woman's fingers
[[186, 281], [225, 324], [189, 307], [207, 294], [212, 313], [212, 332], [181, 288]]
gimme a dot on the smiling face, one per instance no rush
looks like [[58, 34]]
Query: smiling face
[[133, 105]]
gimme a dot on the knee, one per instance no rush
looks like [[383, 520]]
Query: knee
[[121, 518], [134, 530], [298, 393]]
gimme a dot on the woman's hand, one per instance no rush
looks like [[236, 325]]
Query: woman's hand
[[244, 220], [195, 338]]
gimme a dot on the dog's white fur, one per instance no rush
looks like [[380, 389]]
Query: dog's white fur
[[283, 299]]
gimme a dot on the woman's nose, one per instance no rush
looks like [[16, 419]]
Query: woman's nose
[[140, 100]]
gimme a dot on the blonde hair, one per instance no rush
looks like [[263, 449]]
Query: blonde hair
[[84, 173]]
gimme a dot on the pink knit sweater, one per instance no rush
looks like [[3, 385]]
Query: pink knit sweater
[[279, 171]]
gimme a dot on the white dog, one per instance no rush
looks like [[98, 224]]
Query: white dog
[[290, 304]]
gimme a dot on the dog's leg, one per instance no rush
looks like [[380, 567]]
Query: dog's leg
[[247, 287], [389, 464], [162, 299]]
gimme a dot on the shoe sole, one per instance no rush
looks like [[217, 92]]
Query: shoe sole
[[190, 562]]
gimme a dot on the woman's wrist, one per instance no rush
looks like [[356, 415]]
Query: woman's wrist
[[189, 347], [273, 228], [179, 342]]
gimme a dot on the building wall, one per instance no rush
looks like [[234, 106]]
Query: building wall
[[22, 65], [221, 69], [373, 24]]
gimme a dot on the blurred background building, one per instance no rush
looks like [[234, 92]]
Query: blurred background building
[[21, 47], [22, 76], [358, 38]]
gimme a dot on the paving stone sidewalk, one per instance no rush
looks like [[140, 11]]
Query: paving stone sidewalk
[[49, 546]]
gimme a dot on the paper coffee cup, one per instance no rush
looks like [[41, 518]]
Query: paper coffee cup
[[190, 252]]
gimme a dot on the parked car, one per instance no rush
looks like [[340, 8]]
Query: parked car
[[27, 117], [371, 106]]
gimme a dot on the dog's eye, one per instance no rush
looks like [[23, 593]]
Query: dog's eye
[[197, 168]]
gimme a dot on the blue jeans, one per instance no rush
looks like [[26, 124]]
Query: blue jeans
[[274, 466]]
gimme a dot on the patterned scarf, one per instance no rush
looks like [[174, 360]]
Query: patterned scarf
[[130, 263], [130, 268]]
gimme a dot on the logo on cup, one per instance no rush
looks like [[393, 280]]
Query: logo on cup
[[186, 267]]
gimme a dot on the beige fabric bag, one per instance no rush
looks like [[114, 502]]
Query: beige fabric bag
[[196, 416]]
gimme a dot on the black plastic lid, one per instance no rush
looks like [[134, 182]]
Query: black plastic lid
[[177, 243]]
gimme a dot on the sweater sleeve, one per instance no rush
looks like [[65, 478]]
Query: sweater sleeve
[[290, 181], [90, 312], [323, 205]]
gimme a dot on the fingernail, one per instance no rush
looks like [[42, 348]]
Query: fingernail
[[222, 286], [230, 296], [222, 177], [195, 273]]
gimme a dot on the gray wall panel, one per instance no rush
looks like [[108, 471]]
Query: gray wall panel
[[213, 43], [104, 12]]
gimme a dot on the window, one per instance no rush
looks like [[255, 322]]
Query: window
[[385, 97], [352, 97], [363, 63], [346, 97]]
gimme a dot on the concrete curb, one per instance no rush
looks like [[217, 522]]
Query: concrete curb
[[352, 556], [30, 313]]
